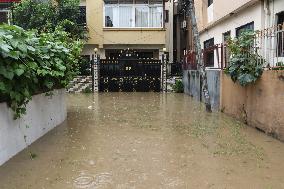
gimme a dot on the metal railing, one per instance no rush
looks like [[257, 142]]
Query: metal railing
[[216, 56], [268, 44]]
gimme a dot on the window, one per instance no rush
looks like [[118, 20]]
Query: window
[[4, 16], [210, 2], [209, 52], [280, 36], [134, 13], [226, 36], [246, 27], [82, 19], [141, 16], [226, 52]]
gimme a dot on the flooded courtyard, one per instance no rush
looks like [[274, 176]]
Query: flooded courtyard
[[146, 141]]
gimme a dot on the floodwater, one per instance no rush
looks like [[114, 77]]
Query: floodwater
[[146, 141]]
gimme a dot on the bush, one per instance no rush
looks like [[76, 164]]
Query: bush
[[46, 16], [178, 87], [87, 90], [31, 63], [279, 66], [245, 65]]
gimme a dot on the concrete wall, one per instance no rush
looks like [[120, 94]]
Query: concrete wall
[[43, 114], [192, 85], [191, 82], [260, 105]]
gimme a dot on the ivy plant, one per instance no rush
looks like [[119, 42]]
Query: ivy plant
[[245, 64], [32, 63]]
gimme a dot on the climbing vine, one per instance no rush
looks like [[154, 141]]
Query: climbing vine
[[32, 63], [245, 65]]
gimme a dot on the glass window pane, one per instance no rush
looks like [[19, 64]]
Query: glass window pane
[[155, 2], [246, 27], [141, 16], [111, 2], [125, 1], [141, 2], [125, 16], [111, 16], [156, 17]]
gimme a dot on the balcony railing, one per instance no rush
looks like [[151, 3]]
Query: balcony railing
[[268, 44]]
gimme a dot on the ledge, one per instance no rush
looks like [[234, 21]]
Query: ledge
[[134, 29]]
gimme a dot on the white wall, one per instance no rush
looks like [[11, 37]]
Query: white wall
[[43, 114], [253, 13]]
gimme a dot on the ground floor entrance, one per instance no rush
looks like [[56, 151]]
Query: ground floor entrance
[[129, 71]]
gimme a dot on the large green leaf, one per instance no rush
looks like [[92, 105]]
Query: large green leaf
[[2, 86], [19, 71], [4, 47]]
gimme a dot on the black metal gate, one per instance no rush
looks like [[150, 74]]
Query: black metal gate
[[128, 73]]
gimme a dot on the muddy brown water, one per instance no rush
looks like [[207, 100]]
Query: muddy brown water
[[147, 141]]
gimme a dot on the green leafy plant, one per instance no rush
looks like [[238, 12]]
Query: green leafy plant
[[245, 65], [87, 90], [46, 16], [279, 66], [178, 87], [31, 63]]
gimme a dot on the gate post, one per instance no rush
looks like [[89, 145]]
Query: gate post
[[96, 73], [95, 76], [92, 71], [164, 73]]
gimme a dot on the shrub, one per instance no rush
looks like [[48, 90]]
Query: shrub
[[46, 16], [178, 87], [245, 65], [31, 63], [87, 90], [279, 66]]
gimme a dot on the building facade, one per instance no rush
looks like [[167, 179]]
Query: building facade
[[219, 20], [116, 25]]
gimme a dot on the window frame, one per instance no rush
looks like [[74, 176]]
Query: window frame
[[8, 15], [134, 6], [244, 26], [280, 35], [210, 52]]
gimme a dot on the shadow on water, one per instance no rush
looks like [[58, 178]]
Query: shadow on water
[[146, 140]]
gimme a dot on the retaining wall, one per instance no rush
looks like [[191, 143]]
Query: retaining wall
[[43, 114], [260, 105]]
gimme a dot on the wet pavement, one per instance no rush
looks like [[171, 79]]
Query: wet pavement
[[146, 141]]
